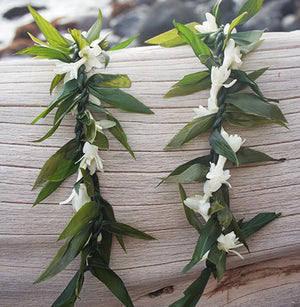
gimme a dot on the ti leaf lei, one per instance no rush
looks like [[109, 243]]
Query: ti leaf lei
[[90, 231], [220, 48]]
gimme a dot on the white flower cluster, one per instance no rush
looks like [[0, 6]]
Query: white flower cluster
[[219, 75], [89, 56], [217, 175]]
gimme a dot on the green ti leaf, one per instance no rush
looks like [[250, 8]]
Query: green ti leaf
[[69, 250], [194, 292], [123, 44], [126, 230], [190, 84], [80, 41], [119, 99], [90, 131], [49, 133], [69, 296], [109, 80], [251, 7], [111, 280], [54, 161], [207, 238], [54, 38], [48, 188], [101, 141], [88, 181], [247, 38], [171, 38], [43, 52], [251, 104], [190, 214], [221, 147], [191, 130], [218, 258], [198, 46], [84, 216], [217, 12], [94, 31], [248, 155], [259, 221], [56, 80], [65, 107]]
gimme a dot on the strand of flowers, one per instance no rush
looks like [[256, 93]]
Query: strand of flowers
[[217, 176], [220, 48], [91, 229]]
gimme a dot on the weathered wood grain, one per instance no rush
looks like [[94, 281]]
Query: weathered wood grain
[[151, 270]]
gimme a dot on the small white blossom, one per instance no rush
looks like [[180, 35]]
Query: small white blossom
[[91, 158], [70, 69], [78, 200], [234, 141], [232, 56], [93, 99], [201, 111], [209, 25], [199, 204], [216, 177], [91, 53], [228, 242]]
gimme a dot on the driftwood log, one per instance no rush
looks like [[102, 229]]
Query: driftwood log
[[269, 275]]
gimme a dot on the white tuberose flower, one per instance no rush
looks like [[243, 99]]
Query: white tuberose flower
[[78, 200], [199, 204], [234, 141], [228, 242], [104, 124], [70, 69], [90, 53], [217, 176], [232, 56], [209, 25], [91, 158]]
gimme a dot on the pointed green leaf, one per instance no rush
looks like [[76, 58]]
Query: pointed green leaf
[[217, 12], [69, 250], [43, 52], [119, 99], [66, 168], [111, 280], [191, 130], [88, 181], [94, 31], [194, 292], [207, 238], [190, 84], [65, 107], [215, 207], [218, 258], [80, 41], [171, 38], [259, 221], [109, 80], [67, 90], [185, 166], [85, 215], [248, 155], [123, 44], [234, 23], [48, 188], [189, 213], [90, 131], [69, 295], [37, 41], [56, 80], [221, 147], [239, 232], [247, 38], [101, 141], [126, 230], [51, 34], [49, 133], [251, 104], [54, 161], [198, 46], [251, 7]]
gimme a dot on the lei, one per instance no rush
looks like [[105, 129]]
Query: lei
[[89, 233], [221, 49]]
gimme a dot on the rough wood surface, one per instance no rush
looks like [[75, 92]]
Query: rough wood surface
[[270, 273]]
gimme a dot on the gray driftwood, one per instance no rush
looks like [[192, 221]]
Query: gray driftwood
[[151, 270]]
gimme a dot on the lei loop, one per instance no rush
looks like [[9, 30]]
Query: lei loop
[[221, 49]]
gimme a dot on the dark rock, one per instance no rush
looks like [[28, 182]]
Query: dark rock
[[128, 24], [161, 16], [20, 11]]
